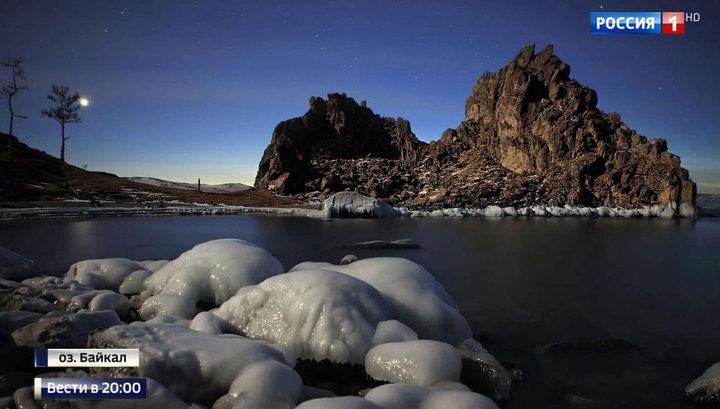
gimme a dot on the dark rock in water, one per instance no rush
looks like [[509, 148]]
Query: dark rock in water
[[340, 379], [12, 381], [7, 402], [347, 259], [386, 244], [530, 135], [12, 320], [594, 345]]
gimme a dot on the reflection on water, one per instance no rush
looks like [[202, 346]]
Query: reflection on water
[[522, 284]]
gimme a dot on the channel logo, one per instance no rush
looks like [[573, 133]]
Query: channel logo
[[655, 22]]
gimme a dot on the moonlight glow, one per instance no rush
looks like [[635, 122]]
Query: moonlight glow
[[84, 102]]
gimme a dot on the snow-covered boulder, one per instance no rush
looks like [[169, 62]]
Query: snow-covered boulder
[[668, 212], [414, 362], [353, 204], [14, 266], [706, 388], [320, 314], [416, 298], [66, 331], [393, 331], [134, 282], [205, 368], [102, 274], [214, 271], [539, 211]]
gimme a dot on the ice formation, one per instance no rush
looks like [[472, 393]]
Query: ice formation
[[706, 388], [320, 314], [203, 368], [398, 396], [167, 304], [353, 204], [478, 359], [214, 271], [393, 331], [416, 298], [110, 301], [415, 362], [102, 274], [134, 282]]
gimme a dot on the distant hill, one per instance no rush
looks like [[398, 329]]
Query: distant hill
[[222, 188], [709, 203], [31, 178]]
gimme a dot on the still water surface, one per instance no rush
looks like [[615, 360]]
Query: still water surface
[[522, 284]]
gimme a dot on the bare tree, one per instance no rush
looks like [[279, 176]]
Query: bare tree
[[65, 111], [12, 88]]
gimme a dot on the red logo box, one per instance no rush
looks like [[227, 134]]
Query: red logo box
[[673, 23]]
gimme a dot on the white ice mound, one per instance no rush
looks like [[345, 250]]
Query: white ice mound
[[416, 298], [201, 368], [319, 314], [342, 402], [415, 362], [110, 301], [399, 396], [214, 271], [353, 204], [134, 282], [170, 305], [706, 388], [102, 274], [393, 331], [14, 266]]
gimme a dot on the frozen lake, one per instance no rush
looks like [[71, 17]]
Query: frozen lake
[[522, 284]]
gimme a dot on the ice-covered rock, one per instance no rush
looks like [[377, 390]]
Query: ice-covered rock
[[341, 402], [110, 301], [134, 282], [353, 204], [214, 271], [480, 366], [393, 331], [321, 314], [400, 396], [494, 211], [415, 362], [539, 211], [667, 213], [706, 388], [687, 210], [102, 274], [14, 266], [153, 265], [171, 305], [416, 298], [205, 368], [65, 331]]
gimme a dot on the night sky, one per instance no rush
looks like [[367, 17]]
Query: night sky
[[188, 89]]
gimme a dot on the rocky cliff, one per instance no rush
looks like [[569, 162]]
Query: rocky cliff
[[531, 135]]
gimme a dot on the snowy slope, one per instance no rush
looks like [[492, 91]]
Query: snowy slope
[[223, 188]]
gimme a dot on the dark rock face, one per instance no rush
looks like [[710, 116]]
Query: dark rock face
[[531, 135], [303, 148]]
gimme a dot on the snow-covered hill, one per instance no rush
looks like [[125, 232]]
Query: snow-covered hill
[[222, 188]]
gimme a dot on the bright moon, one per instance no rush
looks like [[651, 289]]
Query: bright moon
[[84, 102]]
